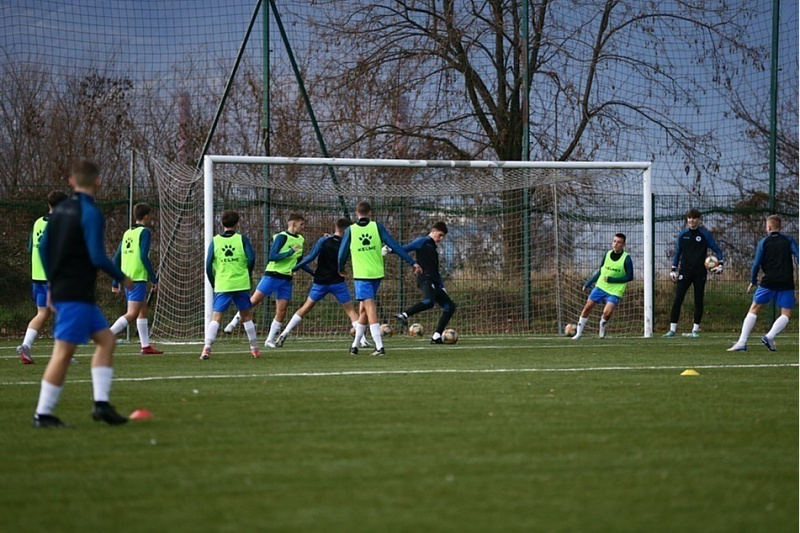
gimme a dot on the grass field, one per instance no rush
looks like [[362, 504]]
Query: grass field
[[491, 435]]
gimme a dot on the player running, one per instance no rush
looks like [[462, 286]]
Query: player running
[[286, 251], [133, 257], [38, 280], [773, 257], [616, 270]]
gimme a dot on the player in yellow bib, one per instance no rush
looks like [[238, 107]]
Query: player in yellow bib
[[284, 254], [229, 265], [133, 257], [616, 270], [362, 242], [38, 280]]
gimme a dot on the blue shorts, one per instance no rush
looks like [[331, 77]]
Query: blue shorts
[[599, 296], [138, 293], [40, 293], [367, 289], [77, 321], [339, 290], [784, 299], [222, 300], [281, 287]]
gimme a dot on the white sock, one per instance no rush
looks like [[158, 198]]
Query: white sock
[[747, 326], [778, 326], [603, 322], [250, 329], [361, 330], [375, 331], [296, 319], [101, 382], [234, 322], [48, 398], [673, 327], [274, 329], [436, 335], [211, 333], [696, 328], [30, 336], [119, 325], [144, 331], [581, 324]]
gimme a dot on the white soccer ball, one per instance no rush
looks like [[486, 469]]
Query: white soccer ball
[[386, 330], [569, 330], [450, 336], [415, 330], [711, 262]]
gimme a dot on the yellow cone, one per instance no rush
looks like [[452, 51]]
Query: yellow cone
[[689, 372]]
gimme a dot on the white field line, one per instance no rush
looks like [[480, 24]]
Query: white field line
[[228, 348], [346, 373]]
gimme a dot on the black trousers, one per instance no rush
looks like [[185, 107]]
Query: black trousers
[[431, 294], [681, 288]]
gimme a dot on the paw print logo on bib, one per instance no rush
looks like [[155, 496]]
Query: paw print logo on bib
[[227, 250], [365, 240]]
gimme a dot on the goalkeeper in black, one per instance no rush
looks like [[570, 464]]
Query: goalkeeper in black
[[688, 268], [430, 280]]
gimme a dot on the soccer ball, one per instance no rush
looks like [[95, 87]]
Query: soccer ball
[[569, 330], [450, 336], [415, 330], [386, 330], [711, 262]]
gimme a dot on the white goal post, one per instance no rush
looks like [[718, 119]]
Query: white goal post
[[212, 161]]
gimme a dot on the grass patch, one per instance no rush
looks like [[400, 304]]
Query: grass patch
[[493, 434]]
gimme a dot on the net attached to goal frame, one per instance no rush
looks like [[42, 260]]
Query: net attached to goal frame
[[523, 236]]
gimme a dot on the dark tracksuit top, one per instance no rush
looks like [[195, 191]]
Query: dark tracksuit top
[[691, 250], [774, 256], [73, 248], [326, 252]]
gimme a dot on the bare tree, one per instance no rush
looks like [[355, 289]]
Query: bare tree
[[601, 74]]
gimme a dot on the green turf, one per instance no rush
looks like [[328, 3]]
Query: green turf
[[493, 434]]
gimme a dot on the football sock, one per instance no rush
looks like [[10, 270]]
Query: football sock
[[436, 335], [101, 382], [375, 331], [250, 329], [211, 333], [673, 327], [361, 329], [274, 329], [581, 324], [747, 326], [234, 321], [696, 328], [296, 319], [119, 325], [30, 336], [48, 398], [603, 322], [778, 326], [144, 331]]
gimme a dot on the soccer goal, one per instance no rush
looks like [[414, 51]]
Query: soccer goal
[[523, 236]]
